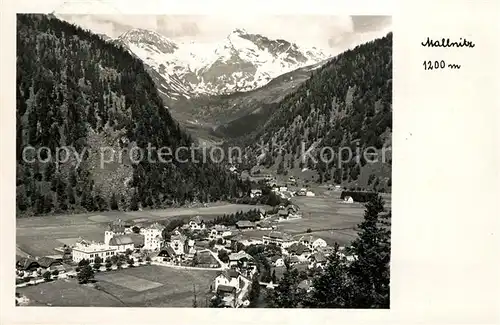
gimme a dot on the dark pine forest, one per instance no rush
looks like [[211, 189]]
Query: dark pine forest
[[78, 91]]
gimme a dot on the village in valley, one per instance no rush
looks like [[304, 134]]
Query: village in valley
[[233, 252]]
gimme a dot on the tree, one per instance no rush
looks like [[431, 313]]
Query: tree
[[83, 262], [55, 273], [47, 276], [370, 270], [254, 293], [287, 294], [223, 255], [216, 301], [97, 263], [273, 277], [131, 261], [148, 260], [331, 287], [114, 202], [85, 274]]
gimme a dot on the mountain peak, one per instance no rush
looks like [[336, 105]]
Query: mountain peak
[[239, 31], [139, 36]]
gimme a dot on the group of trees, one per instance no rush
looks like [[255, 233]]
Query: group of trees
[[363, 283], [231, 219], [347, 103], [77, 91]]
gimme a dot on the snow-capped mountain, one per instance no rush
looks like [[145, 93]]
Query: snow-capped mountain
[[240, 62]]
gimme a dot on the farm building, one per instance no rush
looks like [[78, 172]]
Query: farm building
[[279, 239], [26, 264], [245, 224], [264, 225], [299, 250], [50, 263]]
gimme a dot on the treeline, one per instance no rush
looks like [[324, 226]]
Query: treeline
[[347, 103], [358, 196], [362, 283], [232, 219], [77, 91]]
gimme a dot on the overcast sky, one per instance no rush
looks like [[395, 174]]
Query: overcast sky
[[333, 32]]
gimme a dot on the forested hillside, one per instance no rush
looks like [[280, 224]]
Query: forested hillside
[[345, 103], [76, 90]]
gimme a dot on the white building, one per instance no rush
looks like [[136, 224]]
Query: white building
[[177, 242], [231, 278], [255, 193], [153, 236], [90, 250], [309, 193], [197, 224], [348, 199], [313, 243]]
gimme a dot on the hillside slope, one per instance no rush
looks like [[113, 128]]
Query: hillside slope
[[75, 90], [347, 103]]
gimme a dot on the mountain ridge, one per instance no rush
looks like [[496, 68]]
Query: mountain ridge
[[239, 62]]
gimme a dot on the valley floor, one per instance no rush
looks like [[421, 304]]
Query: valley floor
[[39, 236]]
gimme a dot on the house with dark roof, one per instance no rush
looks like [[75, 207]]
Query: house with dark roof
[[241, 258], [264, 225], [27, 264], [299, 250], [49, 263], [245, 224], [167, 253], [317, 259], [121, 243]]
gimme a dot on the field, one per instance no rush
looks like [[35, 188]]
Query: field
[[327, 217], [39, 236], [143, 286]]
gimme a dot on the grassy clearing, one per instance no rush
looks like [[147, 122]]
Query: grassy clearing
[[39, 236], [176, 288], [145, 286], [67, 293]]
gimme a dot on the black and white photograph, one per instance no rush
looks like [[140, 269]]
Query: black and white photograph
[[203, 161]]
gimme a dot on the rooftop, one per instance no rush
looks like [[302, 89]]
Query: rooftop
[[121, 240]]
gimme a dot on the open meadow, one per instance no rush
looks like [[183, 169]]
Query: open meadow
[[144, 286], [326, 216], [39, 236]]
